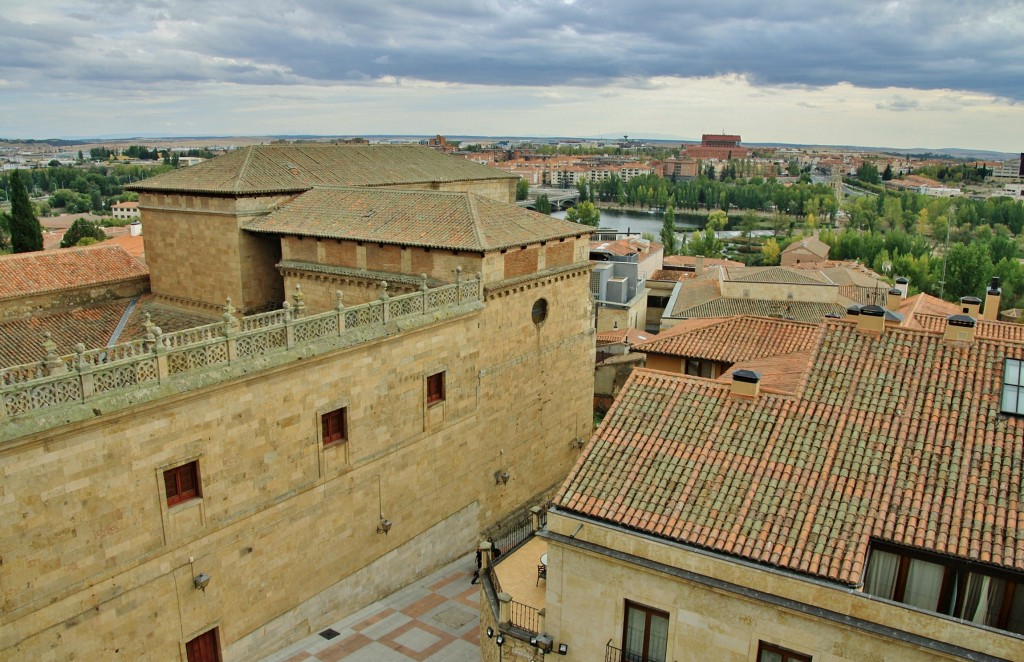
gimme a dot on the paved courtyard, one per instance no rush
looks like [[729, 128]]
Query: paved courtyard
[[434, 620]]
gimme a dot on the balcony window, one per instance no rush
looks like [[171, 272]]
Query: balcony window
[[960, 589], [645, 634]]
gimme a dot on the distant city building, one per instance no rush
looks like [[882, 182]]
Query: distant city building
[[719, 147], [1012, 169], [125, 210]]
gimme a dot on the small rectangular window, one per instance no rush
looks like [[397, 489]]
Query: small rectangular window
[[771, 653], [435, 388], [334, 426], [1013, 394], [182, 483]]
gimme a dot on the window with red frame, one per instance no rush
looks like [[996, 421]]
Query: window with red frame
[[182, 483], [435, 388], [334, 425], [771, 653]]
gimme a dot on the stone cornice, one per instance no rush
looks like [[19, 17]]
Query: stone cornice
[[522, 283]]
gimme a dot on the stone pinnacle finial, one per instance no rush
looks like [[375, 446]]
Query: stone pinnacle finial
[[423, 285], [338, 296], [300, 301], [383, 290], [49, 346]]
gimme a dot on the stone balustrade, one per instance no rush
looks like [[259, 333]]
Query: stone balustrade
[[76, 378]]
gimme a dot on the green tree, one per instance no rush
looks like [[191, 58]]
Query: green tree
[[968, 267], [748, 223], [522, 189], [668, 232], [705, 243], [887, 173], [82, 229], [717, 220], [868, 172], [5, 231], [26, 233], [543, 204], [585, 213], [771, 252]]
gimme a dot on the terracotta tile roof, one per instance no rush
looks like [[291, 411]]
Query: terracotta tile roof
[[775, 275], [925, 304], [801, 311], [783, 374], [690, 260], [695, 292], [812, 244], [135, 246], [628, 246], [463, 221], [843, 272], [48, 271], [92, 325], [284, 168], [672, 275], [984, 329], [634, 336], [895, 438], [734, 339]]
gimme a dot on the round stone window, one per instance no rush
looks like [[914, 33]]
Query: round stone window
[[540, 311]]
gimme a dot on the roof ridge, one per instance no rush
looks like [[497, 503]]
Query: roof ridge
[[474, 220], [245, 166]]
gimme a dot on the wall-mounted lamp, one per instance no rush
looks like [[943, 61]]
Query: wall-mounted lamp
[[501, 477], [563, 649], [490, 632], [384, 525], [500, 640], [201, 581], [542, 641]]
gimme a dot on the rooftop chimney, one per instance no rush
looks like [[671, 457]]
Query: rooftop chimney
[[992, 300], [872, 319], [959, 328], [903, 285], [853, 310], [894, 299], [746, 383], [970, 306], [698, 265]]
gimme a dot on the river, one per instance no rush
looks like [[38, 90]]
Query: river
[[640, 222]]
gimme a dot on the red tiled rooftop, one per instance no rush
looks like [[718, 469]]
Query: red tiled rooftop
[[48, 271], [897, 438], [734, 339], [690, 260]]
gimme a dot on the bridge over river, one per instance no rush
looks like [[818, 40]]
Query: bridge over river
[[559, 198]]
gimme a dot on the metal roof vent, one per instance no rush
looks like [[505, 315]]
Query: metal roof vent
[[872, 319], [959, 328], [970, 306], [894, 299], [903, 285], [992, 297], [746, 383]]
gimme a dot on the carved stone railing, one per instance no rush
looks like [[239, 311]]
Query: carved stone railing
[[60, 380]]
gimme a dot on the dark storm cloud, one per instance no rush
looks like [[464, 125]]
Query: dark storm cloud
[[931, 44]]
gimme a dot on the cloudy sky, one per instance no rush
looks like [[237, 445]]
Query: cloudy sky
[[910, 74]]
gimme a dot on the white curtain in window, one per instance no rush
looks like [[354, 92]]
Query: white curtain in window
[[880, 578], [633, 647], [658, 644], [975, 598], [924, 584]]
